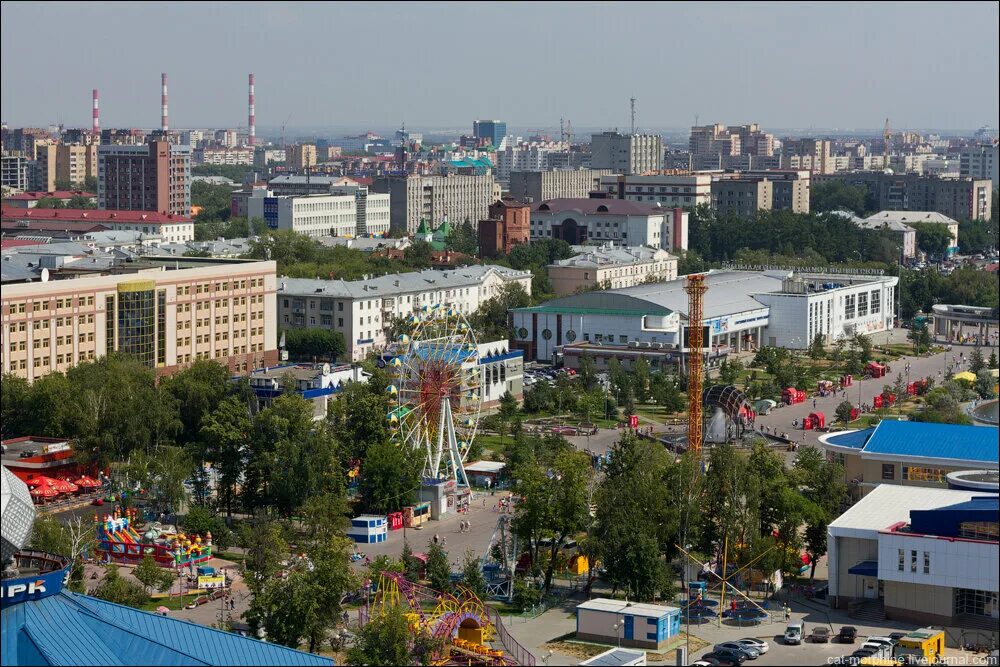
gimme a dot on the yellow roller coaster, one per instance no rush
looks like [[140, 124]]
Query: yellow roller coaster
[[461, 622]]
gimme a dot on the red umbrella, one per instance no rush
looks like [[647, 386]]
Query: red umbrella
[[87, 482], [43, 491], [64, 485]]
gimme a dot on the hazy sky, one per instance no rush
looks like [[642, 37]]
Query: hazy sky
[[442, 64]]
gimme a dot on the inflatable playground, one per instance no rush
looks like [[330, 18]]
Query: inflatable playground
[[461, 622], [119, 540]]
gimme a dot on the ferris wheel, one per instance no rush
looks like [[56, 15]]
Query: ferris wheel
[[434, 399]]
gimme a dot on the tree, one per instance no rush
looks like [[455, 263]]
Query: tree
[[843, 412], [387, 640], [729, 371], [992, 363], [228, 435], [818, 347], [555, 502], [411, 566], [287, 609], [15, 399], [491, 319], [198, 390], [932, 238], [507, 413], [984, 384], [265, 549], [438, 569], [358, 418], [151, 575], [920, 337], [418, 255], [976, 361], [389, 478], [312, 344], [635, 518], [472, 574], [464, 238], [119, 590], [640, 379], [200, 521], [837, 195]]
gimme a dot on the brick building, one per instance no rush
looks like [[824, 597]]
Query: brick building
[[508, 224]]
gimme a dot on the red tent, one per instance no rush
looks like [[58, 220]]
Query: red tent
[[44, 491], [64, 485]]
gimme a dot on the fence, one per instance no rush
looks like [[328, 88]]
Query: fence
[[518, 653]]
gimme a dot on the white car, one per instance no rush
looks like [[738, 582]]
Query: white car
[[758, 644]]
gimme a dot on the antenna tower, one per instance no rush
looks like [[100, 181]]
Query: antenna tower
[[696, 288]]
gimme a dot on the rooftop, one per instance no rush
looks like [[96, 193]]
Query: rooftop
[[910, 217], [889, 504], [72, 629], [397, 283], [588, 206], [91, 215], [940, 442], [632, 608], [610, 256], [56, 194]]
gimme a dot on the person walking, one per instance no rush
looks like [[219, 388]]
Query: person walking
[[788, 613]]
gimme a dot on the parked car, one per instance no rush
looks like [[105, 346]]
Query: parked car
[[726, 657], [751, 652], [794, 632], [758, 644], [820, 635], [707, 662], [847, 634]]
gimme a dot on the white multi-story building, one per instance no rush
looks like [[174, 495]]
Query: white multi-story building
[[525, 156], [981, 162], [910, 218], [616, 221], [362, 309], [14, 173], [226, 155], [355, 212], [670, 190], [926, 556], [626, 153]]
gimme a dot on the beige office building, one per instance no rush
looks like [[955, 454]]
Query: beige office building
[[167, 312], [611, 267], [535, 186], [454, 197], [301, 156]]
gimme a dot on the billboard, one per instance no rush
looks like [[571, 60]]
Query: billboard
[[212, 582], [706, 337]]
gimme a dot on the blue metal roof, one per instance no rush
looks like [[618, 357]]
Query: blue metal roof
[[946, 521], [72, 629], [854, 439], [935, 441]]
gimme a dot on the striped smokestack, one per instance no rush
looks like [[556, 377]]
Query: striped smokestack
[[96, 129], [252, 117], [164, 125]]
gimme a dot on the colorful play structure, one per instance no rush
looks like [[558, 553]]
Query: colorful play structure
[[118, 541], [461, 621]]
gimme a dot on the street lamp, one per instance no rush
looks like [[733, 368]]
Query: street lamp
[[618, 636]]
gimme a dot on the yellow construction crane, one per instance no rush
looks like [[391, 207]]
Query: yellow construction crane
[[695, 288]]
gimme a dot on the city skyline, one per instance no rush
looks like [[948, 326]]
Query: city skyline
[[346, 80]]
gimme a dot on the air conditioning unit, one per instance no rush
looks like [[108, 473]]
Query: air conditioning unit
[[633, 343], [658, 346], [645, 344]]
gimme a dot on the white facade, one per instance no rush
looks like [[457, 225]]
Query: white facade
[[933, 561], [981, 162], [362, 309], [833, 312], [613, 221], [323, 215], [626, 153]]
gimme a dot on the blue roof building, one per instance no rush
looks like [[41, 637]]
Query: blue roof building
[[911, 453], [71, 629]]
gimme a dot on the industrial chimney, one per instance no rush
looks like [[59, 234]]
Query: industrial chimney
[[96, 129], [251, 118], [164, 125]]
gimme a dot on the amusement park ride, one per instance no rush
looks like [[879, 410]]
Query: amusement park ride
[[435, 397], [460, 623]]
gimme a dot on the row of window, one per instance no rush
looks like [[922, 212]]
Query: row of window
[[39, 362], [43, 304], [913, 561], [915, 473]]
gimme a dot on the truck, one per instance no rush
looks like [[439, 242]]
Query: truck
[[925, 644]]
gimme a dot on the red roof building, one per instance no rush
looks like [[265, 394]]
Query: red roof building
[[172, 228], [30, 199]]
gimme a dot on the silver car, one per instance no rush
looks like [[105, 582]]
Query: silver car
[[758, 644], [751, 652]]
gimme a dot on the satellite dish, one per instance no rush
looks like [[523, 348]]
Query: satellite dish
[[45, 275], [326, 369]]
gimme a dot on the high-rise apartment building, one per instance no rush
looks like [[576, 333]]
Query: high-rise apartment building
[[980, 162], [43, 168], [720, 147], [166, 312], [957, 198], [149, 177], [532, 186], [814, 155], [301, 156], [15, 173], [75, 163], [434, 198], [742, 197], [492, 130], [626, 153]]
